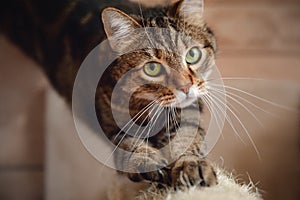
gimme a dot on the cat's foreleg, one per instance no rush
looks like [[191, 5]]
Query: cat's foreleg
[[191, 168], [144, 163]]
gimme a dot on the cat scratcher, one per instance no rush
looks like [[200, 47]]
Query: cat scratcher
[[227, 189]]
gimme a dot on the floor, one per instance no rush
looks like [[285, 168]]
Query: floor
[[259, 42]]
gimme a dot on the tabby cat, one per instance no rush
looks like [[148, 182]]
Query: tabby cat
[[60, 34]]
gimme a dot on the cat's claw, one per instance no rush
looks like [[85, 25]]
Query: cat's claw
[[148, 167], [191, 171], [160, 172]]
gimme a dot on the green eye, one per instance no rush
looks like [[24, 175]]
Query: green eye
[[153, 69], [193, 55]]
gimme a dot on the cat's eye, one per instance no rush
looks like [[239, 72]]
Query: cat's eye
[[153, 69], [193, 56]]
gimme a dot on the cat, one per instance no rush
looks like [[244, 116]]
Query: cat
[[59, 35]]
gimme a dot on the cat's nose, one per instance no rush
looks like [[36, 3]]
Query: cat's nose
[[185, 88]]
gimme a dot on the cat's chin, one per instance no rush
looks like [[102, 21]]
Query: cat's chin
[[189, 101]]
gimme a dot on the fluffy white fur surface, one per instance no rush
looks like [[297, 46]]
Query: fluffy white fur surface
[[227, 189]]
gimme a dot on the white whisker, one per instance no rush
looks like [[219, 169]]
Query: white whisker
[[241, 104], [150, 123], [227, 117], [168, 128], [244, 128], [133, 120], [206, 99], [247, 101], [149, 106], [176, 124], [142, 16], [256, 97]]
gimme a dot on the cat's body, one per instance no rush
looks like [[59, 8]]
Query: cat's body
[[57, 34], [63, 36]]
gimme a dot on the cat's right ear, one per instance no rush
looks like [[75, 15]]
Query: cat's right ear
[[190, 11], [117, 26]]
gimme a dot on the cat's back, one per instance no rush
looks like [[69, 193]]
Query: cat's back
[[59, 34], [47, 30]]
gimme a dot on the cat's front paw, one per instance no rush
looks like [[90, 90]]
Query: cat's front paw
[[148, 166], [190, 170]]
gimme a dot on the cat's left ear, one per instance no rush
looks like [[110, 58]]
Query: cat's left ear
[[190, 11], [118, 25]]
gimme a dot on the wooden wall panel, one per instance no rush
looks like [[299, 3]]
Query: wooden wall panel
[[256, 27]]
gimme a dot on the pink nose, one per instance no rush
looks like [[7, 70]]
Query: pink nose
[[185, 88]]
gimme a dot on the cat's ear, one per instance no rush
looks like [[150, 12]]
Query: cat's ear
[[190, 11], [117, 25]]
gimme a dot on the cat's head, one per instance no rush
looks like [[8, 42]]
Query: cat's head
[[173, 51]]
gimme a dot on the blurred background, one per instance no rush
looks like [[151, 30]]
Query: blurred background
[[41, 156]]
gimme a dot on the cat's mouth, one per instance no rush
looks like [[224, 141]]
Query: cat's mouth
[[184, 100]]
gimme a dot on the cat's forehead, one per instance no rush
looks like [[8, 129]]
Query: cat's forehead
[[173, 29], [165, 56], [168, 40]]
